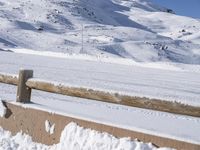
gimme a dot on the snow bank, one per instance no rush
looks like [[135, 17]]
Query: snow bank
[[74, 137], [2, 109]]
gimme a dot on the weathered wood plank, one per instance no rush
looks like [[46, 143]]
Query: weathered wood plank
[[8, 78], [146, 103], [24, 92]]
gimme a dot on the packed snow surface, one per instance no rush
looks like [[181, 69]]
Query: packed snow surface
[[173, 82], [134, 29], [74, 137]]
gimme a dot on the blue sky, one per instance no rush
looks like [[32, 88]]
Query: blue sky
[[182, 7]]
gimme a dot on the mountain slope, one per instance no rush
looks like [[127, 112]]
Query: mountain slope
[[135, 29]]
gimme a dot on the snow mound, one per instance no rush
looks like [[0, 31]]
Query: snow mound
[[74, 137]]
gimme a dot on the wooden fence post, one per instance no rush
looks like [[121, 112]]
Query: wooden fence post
[[24, 92]]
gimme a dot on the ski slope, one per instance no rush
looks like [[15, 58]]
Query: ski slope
[[128, 46], [134, 29]]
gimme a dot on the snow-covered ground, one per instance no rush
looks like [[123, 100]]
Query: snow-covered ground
[[128, 46], [134, 29], [174, 82], [74, 137]]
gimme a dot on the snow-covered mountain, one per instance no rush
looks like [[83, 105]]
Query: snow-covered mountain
[[135, 29]]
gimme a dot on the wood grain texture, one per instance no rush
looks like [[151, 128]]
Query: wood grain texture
[[24, 92], [116, 98], [104, 96], [8, 79]]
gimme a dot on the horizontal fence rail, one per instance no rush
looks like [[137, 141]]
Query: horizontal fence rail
[[8, 78], [26, 82]]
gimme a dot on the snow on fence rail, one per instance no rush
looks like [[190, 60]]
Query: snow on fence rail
[[26, 83]]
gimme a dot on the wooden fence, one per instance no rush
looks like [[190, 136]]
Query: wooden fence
[[25, 83]]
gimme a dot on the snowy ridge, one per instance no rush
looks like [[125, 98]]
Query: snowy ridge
[[134, 29]]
